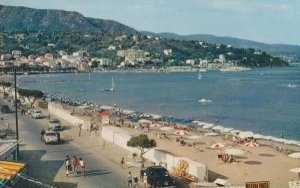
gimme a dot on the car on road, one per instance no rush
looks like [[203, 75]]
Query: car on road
[[158, 176], [51, 137], [5, 109], [55, 125], [37, 114]]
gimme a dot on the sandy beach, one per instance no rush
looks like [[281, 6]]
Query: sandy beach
[[263, 163]]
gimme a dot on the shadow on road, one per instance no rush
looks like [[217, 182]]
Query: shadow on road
[[42, 171], [96, 172]]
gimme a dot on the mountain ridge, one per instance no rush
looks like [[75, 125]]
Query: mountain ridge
[[276, 49], [20, 18]]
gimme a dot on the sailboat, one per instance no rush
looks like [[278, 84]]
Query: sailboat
[[200, 76], [112, 86]]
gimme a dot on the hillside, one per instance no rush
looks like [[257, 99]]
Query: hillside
[[274, 49], [20, 19]]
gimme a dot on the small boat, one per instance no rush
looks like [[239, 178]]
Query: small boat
[[200, 77], [292, 85], [204, 101], [112, 86]]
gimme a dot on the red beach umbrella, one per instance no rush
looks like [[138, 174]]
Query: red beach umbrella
[[181, 132], [217, 146], [251, 144]]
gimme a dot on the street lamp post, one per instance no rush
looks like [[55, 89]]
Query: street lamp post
[[16, 111]]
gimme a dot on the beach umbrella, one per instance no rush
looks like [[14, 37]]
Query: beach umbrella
[[166, 128], [194, 137], [251, 144], [226, 130], [234, 151], [295, 155], [218, 128], [144, 121], [212, 134], [246, 134], [295, 170], [207, 126], [181, 132], [217, 146], [258, 136], [155, 125], [235, 131]]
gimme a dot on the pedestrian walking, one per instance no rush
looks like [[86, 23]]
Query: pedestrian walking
[[67, 168], [75, 164], [129, 180], [67, 162], [135, 181], [145, 180], [82, 167], [42, 135], [80, 125], [122, 162]]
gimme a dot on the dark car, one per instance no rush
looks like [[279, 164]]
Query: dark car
[[157, 177], [5, 109]]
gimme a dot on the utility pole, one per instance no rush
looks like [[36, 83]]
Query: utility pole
[[16, 110]]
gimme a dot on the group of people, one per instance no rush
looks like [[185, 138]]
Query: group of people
[[132, 181], [72, 166]]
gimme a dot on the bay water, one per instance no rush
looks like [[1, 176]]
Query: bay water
[[265, 100]]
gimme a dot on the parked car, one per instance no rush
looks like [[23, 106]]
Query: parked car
[[55, 125], [51, 137], [36, 114], [5, 109], [158, 176]]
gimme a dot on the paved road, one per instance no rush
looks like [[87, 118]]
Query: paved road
[[45, 162]]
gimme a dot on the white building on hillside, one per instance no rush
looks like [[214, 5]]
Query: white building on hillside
[[168, 51]]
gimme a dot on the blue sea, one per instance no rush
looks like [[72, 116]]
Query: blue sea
[[261, 100]]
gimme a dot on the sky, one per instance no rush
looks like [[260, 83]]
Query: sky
[[269, 21]]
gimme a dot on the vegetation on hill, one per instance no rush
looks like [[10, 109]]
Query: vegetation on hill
[[97, 45], [23, 19]]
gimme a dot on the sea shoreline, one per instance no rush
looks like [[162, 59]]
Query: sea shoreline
[[180, 125]]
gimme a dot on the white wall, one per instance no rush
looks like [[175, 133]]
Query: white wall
[[120, 138], [56, 110]]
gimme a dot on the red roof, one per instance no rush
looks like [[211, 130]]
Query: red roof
[[104, 113]]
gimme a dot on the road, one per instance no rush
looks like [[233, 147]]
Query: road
[[46, 162]]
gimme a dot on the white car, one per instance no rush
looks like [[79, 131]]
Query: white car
[[36, 114], [51, 137], [55, 125]]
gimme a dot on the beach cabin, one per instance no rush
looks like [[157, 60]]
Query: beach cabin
[[104, 114]]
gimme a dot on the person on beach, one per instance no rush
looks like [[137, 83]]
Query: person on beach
[[135, 181], [80, 125], [42, 135], [74, 164], [145, 180], [82, 167], [129, 180], [122, 162]]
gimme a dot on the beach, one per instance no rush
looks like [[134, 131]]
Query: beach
[[255, 164]]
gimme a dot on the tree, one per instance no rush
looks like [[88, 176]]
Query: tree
[[5, 82], [141, 142], [31, 95]]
